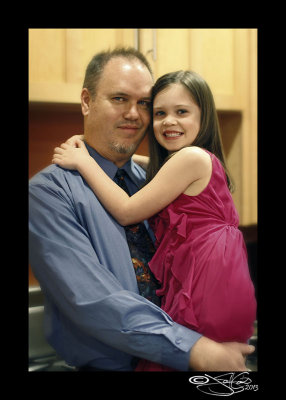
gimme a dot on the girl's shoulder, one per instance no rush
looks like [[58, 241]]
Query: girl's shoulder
[[201, 163], [192, 162], [196, 155]]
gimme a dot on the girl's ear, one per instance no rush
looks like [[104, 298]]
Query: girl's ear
[[85, 100]]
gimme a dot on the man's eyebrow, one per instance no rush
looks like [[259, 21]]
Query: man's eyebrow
[[128, 95], [146, 98], [119, 94]]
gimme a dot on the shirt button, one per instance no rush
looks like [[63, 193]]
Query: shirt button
[[178, 340]]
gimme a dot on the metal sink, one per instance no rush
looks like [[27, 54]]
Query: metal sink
[[42, 357]]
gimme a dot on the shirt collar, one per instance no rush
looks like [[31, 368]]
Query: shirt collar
[[110, 168]]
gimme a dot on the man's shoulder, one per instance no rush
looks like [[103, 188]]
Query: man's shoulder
[[44, 173], [53, 176]]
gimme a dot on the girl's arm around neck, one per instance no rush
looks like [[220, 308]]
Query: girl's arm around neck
[[185, 167], [143, 161]]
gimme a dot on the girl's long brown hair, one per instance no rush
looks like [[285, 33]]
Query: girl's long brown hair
[[209, 136]]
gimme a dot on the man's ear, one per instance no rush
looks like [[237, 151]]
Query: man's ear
[[85, 101]]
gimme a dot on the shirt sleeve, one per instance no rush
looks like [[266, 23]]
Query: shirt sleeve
[[88, 293]]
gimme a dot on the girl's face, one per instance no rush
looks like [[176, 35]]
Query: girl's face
[[176, 118]]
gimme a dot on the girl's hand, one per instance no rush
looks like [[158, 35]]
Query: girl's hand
[[70, 157], [74, 140]]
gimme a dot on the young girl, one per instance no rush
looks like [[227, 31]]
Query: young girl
[[201, 258]]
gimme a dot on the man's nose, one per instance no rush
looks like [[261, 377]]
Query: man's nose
[[131, 112]]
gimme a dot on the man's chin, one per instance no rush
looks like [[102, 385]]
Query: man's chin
[[127, 149]]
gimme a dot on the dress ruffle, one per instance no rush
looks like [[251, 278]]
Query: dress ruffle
[[174, 269]]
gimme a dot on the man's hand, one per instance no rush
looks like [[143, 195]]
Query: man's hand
[[208, 355]]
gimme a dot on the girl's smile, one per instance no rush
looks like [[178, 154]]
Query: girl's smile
[[171, 135]]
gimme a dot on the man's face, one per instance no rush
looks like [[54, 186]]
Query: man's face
[[117, 118]]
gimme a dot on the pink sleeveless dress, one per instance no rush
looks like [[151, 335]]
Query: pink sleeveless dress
[[201, 263]]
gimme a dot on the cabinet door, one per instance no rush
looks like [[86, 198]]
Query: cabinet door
[[58, 58], [167, 50], [216, 54]]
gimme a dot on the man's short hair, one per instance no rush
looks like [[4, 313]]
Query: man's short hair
[[96, 65]]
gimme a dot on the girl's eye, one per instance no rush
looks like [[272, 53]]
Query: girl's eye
[[158, 113], [182, 111]]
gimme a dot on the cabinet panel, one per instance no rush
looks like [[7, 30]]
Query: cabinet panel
[[91, 41], [212, 55], [220, 56], [165, 49], [171, 44], [46, 55], [58, 58]]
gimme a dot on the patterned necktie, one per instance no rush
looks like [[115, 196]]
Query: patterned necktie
[[142, 250]]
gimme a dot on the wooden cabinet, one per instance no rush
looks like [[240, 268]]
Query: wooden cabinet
[[58, 58], [214, 53], [219, 55]]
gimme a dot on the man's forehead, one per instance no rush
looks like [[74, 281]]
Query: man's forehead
[[124, 76], [126, 63]]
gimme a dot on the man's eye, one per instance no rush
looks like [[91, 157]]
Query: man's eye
[[145, 103], [118, 99]]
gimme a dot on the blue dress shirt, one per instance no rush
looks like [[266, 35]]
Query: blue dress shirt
[[94, 314]]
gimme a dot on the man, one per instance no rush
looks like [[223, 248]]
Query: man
[[96, 317]]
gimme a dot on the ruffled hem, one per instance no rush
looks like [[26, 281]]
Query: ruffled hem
[[175, 269]]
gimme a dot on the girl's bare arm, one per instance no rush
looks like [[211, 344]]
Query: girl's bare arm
[[143, 161], [185, 167]]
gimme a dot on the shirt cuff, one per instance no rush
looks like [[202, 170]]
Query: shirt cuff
[[183, 340]]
